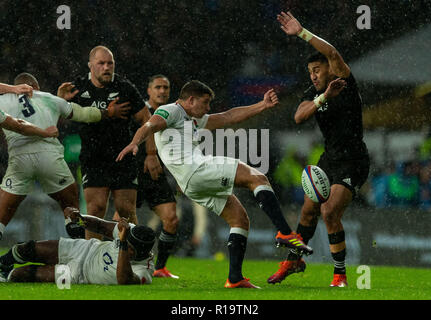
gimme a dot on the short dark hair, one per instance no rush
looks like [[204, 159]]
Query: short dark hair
[[317, 57], [142, 239], [157, 76], [195, 88], [26, 78]]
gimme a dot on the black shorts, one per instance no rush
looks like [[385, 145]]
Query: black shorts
[[155, 192], [350, 173], [115, 176]]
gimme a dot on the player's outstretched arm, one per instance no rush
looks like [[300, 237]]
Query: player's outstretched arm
[[291, 26], [91, 223], [17, 89], [28, 129], [155, 124], [239, 114]]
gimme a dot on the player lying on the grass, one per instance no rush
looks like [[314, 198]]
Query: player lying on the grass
[[127, 259], [335, 102], [41, 159], [209, 180]]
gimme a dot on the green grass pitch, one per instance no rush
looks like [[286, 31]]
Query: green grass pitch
[[203, 279]]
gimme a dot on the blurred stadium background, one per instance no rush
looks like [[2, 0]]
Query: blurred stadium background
[[237, 48]]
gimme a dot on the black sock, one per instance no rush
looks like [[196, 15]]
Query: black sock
[[340, 256], [237, 245], [306, 232], [165, 247], [269, 203], [8, 259], [339, 262], [15, 257]]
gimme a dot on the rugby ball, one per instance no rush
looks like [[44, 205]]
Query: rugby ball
[[316, 184]]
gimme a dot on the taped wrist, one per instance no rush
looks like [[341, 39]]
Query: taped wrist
[[320, 100], [87, 114], [305, 35]]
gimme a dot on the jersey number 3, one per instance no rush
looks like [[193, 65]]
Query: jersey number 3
[[28, 109]]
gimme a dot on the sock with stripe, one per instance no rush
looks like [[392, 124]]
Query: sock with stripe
[[340, 256], [269, 203]]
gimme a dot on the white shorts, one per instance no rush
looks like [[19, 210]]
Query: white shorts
[[212, 183], [73, 253], [48, 168]]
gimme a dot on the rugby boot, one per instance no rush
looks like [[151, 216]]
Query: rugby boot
[[244, 283], [340, 280], [287, 267], [164, 273], [293, 241]]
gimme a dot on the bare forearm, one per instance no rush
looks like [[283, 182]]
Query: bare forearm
[[142, 134], [239, 114], [100, 226], [305, 110], [6, 88], [125, 273]]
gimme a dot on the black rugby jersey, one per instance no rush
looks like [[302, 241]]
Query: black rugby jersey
[[103, 141], [340, 121]]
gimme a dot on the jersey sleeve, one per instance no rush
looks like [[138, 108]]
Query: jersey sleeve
[[64, 107], [170, 113], [202, 122], [3, 116]]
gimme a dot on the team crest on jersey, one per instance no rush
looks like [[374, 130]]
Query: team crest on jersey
[[113, 95]]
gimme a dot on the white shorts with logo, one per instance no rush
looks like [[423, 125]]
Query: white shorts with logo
[[212, 183], [48, 168], [73, 253]]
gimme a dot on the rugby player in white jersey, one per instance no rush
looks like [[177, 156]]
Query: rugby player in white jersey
[[209, 180], [127, 259], [40, 158]]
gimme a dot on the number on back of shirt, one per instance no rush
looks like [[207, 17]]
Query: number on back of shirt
[[28, 109]]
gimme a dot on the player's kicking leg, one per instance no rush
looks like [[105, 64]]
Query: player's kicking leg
[[236, 216], [258, 183]]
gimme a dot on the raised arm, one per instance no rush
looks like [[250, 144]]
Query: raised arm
[[239, 114], [291, 26], [155, 124], [125, 274]]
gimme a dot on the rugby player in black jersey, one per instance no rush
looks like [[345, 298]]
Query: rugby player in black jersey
[[335, 102], [101, 142]]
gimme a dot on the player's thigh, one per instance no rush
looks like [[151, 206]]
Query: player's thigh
[[68, 197], [235, 214], [124, 200], [96, 199], [249, 177], [8, 205]]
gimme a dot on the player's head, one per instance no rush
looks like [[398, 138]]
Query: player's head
[[27, 78], [159, 89], [142, 239], [197, 96], [318, 67], [102, 65]]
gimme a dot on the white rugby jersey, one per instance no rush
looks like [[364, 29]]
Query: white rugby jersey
[[178, 144], [42, 110], [100, 266]]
